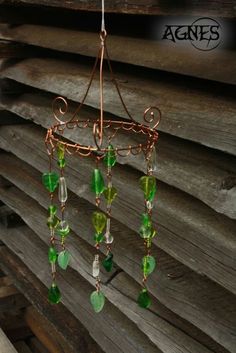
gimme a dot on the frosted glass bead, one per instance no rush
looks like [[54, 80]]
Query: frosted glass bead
[[96, 266], [62, 191]]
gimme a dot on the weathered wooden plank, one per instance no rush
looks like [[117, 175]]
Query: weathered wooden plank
[[198, 171], [45, 332], [22, 347], [106, 328], [188, 287], [152, 54], [188, 230], [37, 346], [5, 344], [148, 7], [202, 115]]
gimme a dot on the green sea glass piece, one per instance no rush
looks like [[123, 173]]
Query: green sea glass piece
[[146, 220], [110, 156], [97, 300], [52, 254], [108, 262], [63, 229], [52, 222], [60, 151], [61, 163], [63, 259], [99, 221], [50, 181], [52, 210], [144, 300], [110, 194], [98, 238], [97, 183], [148, 185], [148, 265], [54, 294]]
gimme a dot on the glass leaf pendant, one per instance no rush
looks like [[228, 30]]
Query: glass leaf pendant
[[97, 300], [148, 265], [50, 181], [63, 259], [99, 221], [148, 185], [110, 194]]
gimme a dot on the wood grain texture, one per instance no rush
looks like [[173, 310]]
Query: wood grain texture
[[199, 114], [148, 7], [186, 166], [189, 231], [214, 65], [5, 344], [188, 287]]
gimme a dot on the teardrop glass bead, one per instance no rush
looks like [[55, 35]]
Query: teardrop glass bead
[[99, 220], [62, 190], [97, 183], [97, 300], [108, 238], [110, 193], [152, 163], [50, 181], [63, 229], [148, 265], [144, 300], [108, 262], [52, 254], [148, 185], [63, 259], [52, 210], [98, 238], [96, 267], [54, 294], [110, 156]]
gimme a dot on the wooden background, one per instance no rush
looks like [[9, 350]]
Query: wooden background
[[47, 48]]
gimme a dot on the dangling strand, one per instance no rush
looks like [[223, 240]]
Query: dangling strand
[[50, 181], [147, 232], [63, 228], [99, 220], [109, 193]]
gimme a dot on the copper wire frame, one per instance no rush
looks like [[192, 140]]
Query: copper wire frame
[[101, 126]]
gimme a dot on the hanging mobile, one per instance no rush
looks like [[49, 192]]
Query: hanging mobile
[[101, 220]]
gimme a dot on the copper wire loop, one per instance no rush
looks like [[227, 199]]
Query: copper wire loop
[[100, 127]]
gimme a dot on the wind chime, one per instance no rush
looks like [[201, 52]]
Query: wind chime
[[57, 149]]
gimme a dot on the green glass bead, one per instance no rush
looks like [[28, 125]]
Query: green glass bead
[[63, 259], [99, 221], [61, 163], [50, 181], [148, 185], [97, 300], [146, 220], [98, 238], [54, 294], [52, 222], [145, 231], [52, 255], [108, 262], [152, 194], [144, 300], [148, 265], [97, 183], [110, 194], [52, 210], [60, 151], [110, 156], [63, 229]]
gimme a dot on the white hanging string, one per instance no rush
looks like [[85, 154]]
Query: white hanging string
[[103, 17]]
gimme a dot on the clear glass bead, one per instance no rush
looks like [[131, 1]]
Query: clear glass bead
[[152, 163], [62, 191], [96, 266], [108, 238], [53, 267]]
